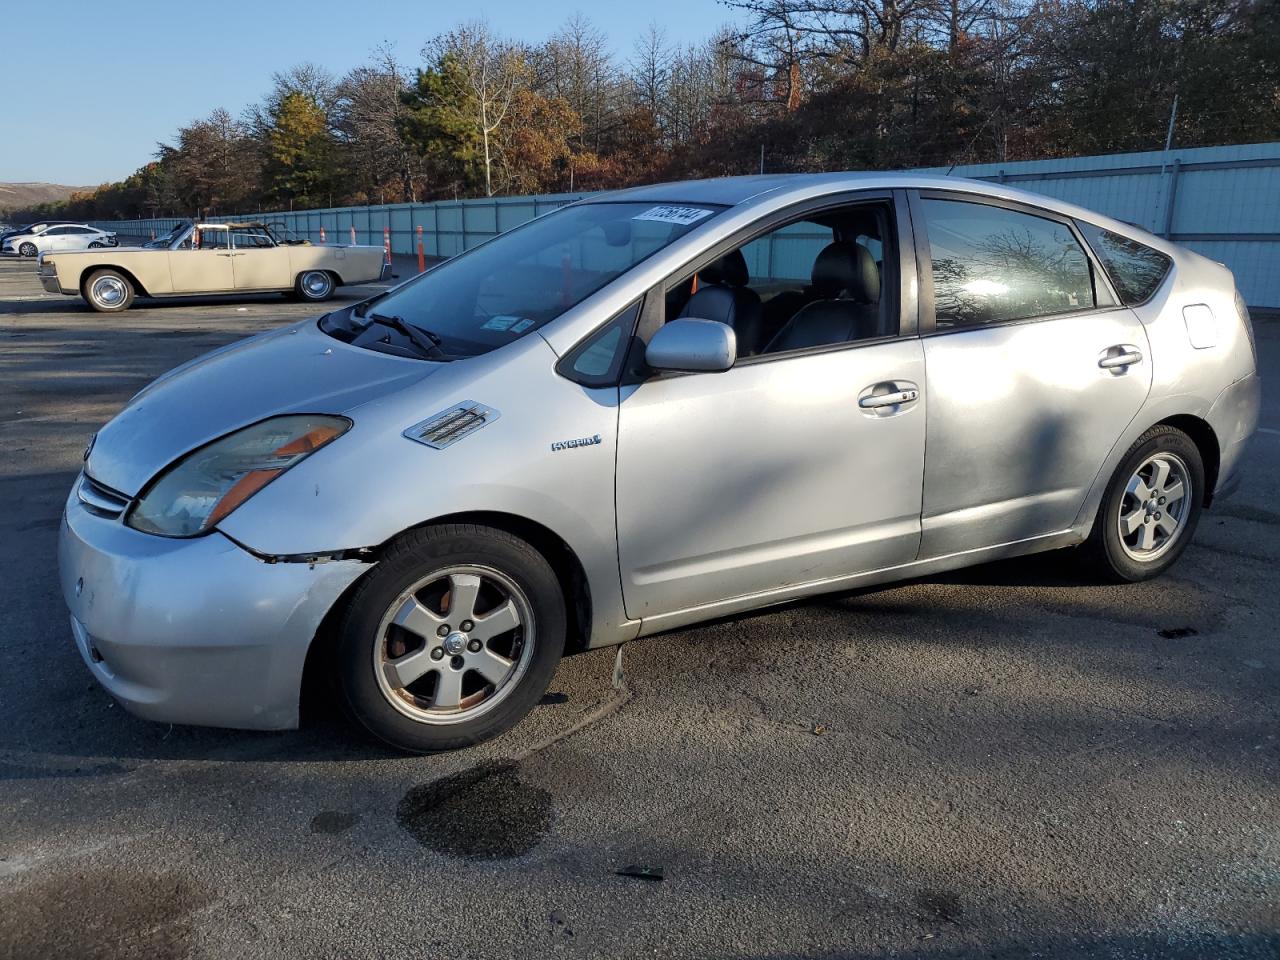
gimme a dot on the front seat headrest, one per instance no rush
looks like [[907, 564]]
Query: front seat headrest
[[731, 270], [848, 270]]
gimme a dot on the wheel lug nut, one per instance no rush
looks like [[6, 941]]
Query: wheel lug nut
[[443, 631], [437, 653], [1162, 499], [457, 663], [474, 646], [1157, 516], [465, 625]]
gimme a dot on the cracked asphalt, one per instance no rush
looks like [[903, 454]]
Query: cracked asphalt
[[1003, 762]]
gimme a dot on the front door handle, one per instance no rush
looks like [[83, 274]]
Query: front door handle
[[1122, 355], [889, 399]]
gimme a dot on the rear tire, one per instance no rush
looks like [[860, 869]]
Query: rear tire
[[27, 250], [451, 639], [315, 286], [95, 245], [108, 291], [1150, 510]]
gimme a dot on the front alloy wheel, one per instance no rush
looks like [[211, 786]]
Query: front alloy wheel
[[454, 645], [451, 639], [27, 249]]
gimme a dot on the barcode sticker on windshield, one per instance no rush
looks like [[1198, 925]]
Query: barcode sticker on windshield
[[680, 215], [500, 322]]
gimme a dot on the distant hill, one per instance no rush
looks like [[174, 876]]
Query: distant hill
[[20, 196]]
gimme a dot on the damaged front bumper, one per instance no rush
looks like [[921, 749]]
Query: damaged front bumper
[[196, 631]]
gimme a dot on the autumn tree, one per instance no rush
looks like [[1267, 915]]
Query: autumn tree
[[468, 90], [800, 84], [369, 117], [300, 155], [575, 66], [211, 167]]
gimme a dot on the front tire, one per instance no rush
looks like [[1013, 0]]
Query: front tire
[[27, 249], [315, 286], [451, 639], [1150, 510], [95, 245], [109, 291]]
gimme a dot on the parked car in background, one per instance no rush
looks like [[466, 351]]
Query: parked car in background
[[38, 227], [642, 411], [59, 238], [210, 258]]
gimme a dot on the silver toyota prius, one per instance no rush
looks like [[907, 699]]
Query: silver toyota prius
[[644, 410]]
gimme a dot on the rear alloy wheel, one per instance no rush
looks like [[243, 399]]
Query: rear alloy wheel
[[315, 285], [108, 291], [27, 249], [452, 638], [1151, 507]]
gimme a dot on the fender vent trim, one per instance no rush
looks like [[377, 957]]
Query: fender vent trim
[[449, 426]]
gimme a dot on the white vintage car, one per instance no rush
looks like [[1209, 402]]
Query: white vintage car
[[209, 258]]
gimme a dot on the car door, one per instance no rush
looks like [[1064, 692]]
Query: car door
[[79, 238], [790, 468], [1034, 371], [259, 264], [204, 265], [55, 238]]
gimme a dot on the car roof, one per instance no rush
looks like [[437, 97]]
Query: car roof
[[777, 189]]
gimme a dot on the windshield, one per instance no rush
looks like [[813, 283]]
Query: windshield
[[168, 238], [521, 280]]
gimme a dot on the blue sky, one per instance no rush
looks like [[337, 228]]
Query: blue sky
[[120, 76]]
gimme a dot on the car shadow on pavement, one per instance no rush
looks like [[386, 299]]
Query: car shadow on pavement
[[1173, 945]]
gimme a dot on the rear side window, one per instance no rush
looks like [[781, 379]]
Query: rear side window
[[993, 265], [1135, 269]]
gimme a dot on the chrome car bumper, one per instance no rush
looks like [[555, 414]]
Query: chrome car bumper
[[50, 283], [192, 631]]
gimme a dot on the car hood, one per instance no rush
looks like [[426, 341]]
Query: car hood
[[297, 369]]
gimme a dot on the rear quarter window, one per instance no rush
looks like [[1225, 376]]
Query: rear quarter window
[[1135, 269]]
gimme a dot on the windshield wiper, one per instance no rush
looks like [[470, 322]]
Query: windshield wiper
[[424, 340]]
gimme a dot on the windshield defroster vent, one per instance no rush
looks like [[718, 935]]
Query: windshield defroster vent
[[450, 426]]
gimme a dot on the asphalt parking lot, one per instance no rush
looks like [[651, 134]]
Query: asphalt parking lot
[[1002, 762]]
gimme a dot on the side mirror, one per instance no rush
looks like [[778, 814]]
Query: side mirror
[[693, 346]]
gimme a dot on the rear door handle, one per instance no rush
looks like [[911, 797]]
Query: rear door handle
[[1123, 355]]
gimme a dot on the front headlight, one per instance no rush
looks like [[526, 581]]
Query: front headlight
[[194, 494]]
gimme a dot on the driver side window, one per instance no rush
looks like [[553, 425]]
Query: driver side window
[[818, 281]]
